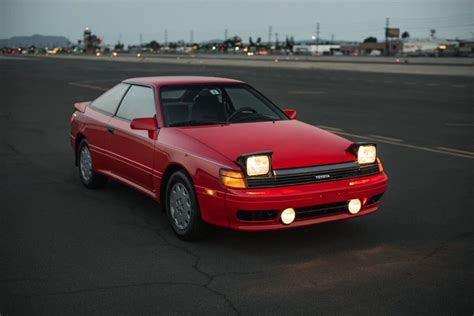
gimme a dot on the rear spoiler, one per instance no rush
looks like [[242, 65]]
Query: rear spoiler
[[81, 106]]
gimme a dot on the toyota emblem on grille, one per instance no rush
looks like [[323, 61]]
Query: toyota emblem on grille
[[322, 176]]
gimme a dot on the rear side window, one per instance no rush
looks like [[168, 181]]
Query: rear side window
[[138, 102], [109, 101]]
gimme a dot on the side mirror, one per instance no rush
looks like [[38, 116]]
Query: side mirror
[[146, 124], [290, 113]]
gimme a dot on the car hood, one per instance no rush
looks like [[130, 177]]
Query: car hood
[[293, 143]]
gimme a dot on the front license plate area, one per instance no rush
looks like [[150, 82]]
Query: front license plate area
[[330, 197]]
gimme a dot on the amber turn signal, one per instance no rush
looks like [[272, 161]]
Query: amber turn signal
[[232, 179], [380, 165]]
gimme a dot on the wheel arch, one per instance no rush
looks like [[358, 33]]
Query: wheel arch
[[170, 169], [77, 142]]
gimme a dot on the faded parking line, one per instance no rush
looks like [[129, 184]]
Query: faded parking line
[[457, 150], [305, 92], [439, 150], [386, 138], [330, 128], [88, 86]]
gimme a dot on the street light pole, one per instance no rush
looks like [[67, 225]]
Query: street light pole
[[270, 35], [387, 46]]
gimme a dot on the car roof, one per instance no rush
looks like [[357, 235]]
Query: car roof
[[178, 80]]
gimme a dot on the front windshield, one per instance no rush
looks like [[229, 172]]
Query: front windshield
[[189, 105]]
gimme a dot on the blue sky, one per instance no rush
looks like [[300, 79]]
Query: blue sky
[[125, 20]]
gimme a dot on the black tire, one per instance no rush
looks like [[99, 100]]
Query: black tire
[[94, 180], [195, 228]]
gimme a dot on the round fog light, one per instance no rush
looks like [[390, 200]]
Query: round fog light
[[354, 206], [288, 216]]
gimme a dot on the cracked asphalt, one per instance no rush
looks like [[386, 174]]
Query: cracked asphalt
[[66, 250]]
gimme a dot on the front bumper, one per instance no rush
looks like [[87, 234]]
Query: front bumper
[[302, 198]]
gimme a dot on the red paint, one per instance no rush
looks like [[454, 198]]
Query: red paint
[[138, 155], [290, 113]]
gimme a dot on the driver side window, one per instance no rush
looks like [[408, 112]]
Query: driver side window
[[138, 102]]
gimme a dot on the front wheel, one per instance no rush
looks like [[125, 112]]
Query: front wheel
[[182, 208], [88, 176]]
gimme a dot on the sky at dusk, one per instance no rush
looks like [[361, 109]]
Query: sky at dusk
[[125, 20]]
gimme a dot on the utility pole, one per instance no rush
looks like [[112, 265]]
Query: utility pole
[[332, 38], [317, 33], [226, 33], [387, 46], [191, 38], [276, 40], [270, 35], [166, 37], [317, 38]]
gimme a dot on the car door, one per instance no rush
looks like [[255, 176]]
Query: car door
[[100, 111], [132, 150]]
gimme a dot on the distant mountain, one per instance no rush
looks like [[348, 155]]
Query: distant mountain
[[35, 40]]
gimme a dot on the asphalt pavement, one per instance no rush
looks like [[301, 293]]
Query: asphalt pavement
[[389, 65], [67, 250]]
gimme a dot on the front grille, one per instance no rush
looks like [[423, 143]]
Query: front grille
[[309, 175], [251, 216], [314, 211]]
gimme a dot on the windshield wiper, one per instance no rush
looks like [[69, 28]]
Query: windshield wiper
[[197, 122], [257, 117]]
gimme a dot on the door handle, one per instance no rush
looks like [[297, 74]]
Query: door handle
[[110, 130]]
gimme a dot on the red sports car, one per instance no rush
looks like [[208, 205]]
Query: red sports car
[[216, 151]]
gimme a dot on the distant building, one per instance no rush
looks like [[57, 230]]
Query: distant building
[[466, 48], [394, 48], [430, 47], [323, 49], [372, 49], [91, 42]]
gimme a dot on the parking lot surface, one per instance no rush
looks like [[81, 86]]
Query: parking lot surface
[[67, 250]]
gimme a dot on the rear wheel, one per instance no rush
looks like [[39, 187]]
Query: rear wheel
[[182, 208], [88, 176]]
